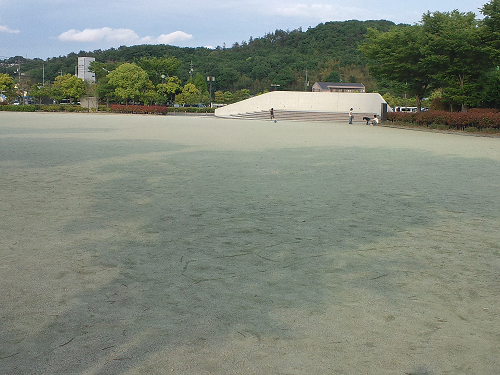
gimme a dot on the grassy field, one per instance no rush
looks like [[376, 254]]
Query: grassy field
[[195, 245]]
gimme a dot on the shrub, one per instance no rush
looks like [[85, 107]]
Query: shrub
[[483, 110], [471, 129], [138, 109], [62, 108], [477, 119]]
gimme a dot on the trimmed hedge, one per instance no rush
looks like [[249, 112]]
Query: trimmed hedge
[[473, 120], [154, 109], [116, 108], [62, 108], [191, 110], [139, 109], [43, 108], [19, 108]]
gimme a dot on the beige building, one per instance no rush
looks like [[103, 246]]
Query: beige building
[[338, 87]]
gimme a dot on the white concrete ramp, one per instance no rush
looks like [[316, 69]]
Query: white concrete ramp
[[319, 105]]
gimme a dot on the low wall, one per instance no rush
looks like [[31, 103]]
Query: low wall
[[89, 102], [307, 101]]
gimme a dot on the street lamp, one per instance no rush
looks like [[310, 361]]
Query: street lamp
[[210, 79], [162, 88]]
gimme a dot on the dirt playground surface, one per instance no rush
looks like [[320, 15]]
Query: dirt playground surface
[[197, 245]]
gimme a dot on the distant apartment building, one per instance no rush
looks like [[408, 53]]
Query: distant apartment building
[[83, 69]]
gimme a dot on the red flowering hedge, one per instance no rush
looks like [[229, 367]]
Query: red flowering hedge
[[139, 109], [474, 118]]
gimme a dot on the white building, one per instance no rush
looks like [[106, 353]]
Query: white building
[[83, 69], [338, 87]]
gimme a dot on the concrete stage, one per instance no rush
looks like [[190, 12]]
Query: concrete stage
[[308, 106]]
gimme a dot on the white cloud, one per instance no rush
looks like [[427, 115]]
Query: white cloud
[[5, 29], [318, 12], [173, 37], [125, 36]]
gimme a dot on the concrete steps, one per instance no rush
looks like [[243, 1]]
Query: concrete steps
[[283, 115]]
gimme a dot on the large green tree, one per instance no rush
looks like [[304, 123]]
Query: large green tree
[[131, 82], [156, 67], [68, 86], [459, 58], [491, 28], [7, 86], [397, 55], [241, 95], [169, 87], [200, 82], [38, 92], [190, 95]]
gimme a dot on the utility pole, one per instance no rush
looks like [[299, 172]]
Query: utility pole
[[191, 70], [20, 89], [307, 82]]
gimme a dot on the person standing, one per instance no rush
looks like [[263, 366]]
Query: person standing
[[351, 116], [271, 111]]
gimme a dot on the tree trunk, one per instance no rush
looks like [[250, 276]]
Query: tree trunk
[[419, 103]]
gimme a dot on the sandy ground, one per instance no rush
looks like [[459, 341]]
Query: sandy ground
[[196, 245]]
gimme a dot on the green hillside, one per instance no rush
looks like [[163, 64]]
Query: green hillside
[[328, 52]]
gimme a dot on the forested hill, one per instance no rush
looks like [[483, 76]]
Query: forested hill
[[328, 52]]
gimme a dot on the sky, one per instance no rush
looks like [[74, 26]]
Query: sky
[[51, 28]]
